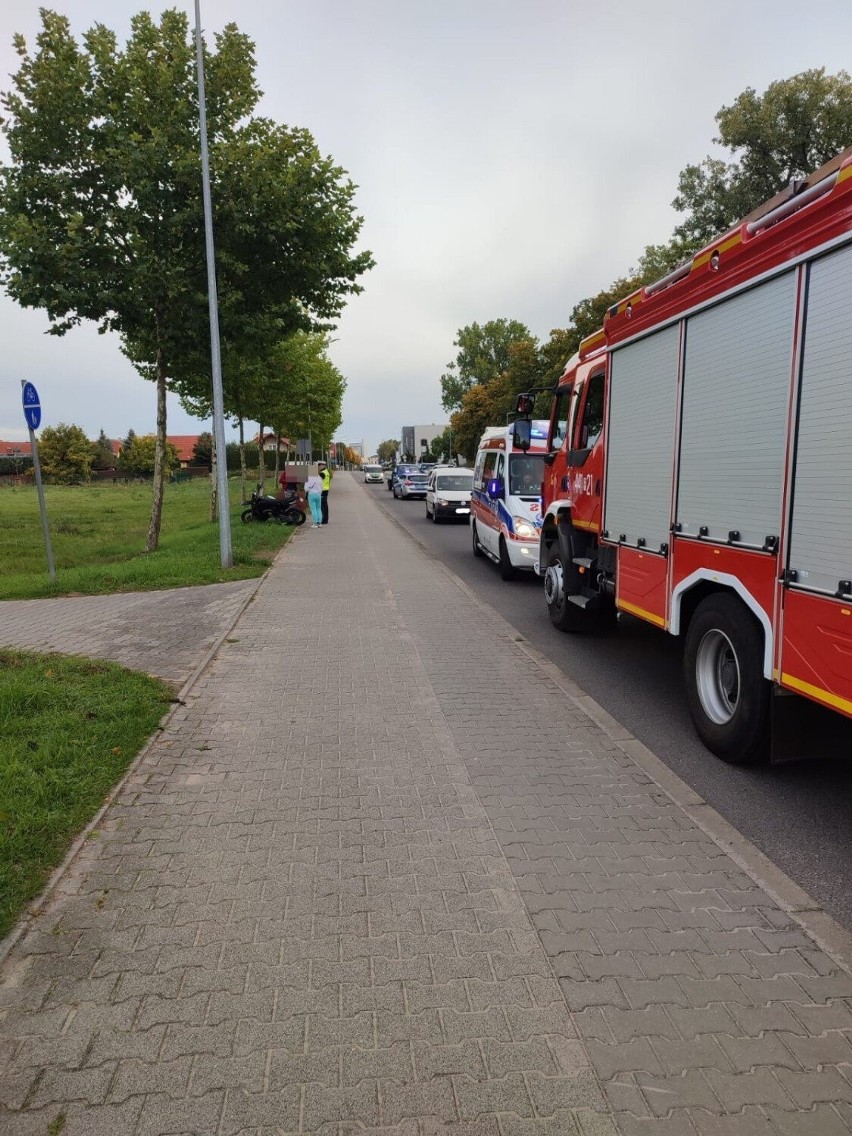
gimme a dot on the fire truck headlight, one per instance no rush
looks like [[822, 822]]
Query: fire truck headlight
[[523, 529]]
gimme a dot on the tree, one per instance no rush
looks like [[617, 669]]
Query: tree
[[483, 355], [102, 455], [795, 126], [202, 451], [387, 450], [101, 214], [65, 453], [140, 457]]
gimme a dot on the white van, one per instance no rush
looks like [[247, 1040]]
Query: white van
[[505, 518]]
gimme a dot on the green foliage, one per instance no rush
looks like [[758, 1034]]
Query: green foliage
[[101, 212], [68, 730], [65, 454], [794, 127], [102, 455], [137, 459], [202, 451], [387, 450], [483, 355]]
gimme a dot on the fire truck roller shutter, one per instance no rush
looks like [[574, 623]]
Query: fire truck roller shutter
[[640, 449], [736, 389], [821, 528]]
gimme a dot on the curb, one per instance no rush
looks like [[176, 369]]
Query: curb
[[826, 932], [37, 908]]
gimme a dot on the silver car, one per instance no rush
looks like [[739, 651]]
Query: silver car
[[410, 484]]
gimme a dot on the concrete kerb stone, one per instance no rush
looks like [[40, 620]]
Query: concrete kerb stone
[[825, 931], [37, 908]]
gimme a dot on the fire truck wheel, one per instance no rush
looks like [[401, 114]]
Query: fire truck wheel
[[729, 699], [477, 547], [507, 568], [560, 581]]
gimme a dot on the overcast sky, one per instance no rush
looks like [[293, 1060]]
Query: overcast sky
[[512, 158]]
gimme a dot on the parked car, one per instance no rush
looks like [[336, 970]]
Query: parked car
[[448, 494], [399, 471], [373, 473], [412, 484]]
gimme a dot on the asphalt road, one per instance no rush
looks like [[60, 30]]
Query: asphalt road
[[798, 813]]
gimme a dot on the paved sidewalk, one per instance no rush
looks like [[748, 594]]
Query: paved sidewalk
[[407, 888], [166, 633]]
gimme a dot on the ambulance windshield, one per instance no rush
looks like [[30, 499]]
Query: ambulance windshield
[[526, 472]]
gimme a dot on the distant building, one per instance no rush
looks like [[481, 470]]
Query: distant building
[[417, 440], [15, 450]]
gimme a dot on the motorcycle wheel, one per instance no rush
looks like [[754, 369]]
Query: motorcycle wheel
[[294, 517], [246, 516]]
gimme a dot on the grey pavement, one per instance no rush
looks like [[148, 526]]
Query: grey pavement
[[165, 633], [382, 874]]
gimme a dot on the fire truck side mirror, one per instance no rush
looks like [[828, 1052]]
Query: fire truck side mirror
[[522, 433], [525, 404]]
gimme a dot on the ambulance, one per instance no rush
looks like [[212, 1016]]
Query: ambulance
[[505, 505]]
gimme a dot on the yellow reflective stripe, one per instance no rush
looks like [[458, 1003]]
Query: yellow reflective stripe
[[816, 692], [702, 258], [587, 526], [657, 620]]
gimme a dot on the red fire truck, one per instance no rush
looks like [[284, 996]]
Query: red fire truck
[[699, 466]]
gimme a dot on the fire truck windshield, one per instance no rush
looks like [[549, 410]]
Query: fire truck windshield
[[526, 472]]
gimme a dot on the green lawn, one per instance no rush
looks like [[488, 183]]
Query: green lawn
[[68, 730], [98, 534]]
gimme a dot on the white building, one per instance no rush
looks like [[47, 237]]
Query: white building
[[417, 440]]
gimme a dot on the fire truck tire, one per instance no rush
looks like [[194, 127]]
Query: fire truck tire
[[477, 547], [560, 580], [507, 568], [729, 699]]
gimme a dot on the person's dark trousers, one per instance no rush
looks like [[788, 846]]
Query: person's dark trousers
[[324, 506]]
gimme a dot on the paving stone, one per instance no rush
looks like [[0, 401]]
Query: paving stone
[[405, 909]]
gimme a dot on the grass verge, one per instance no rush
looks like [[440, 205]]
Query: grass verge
[[98, 535], [69, 728]]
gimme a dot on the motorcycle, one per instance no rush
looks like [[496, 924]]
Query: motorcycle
[[265, 507]]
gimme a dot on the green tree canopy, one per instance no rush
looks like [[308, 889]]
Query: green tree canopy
[[483, 355], [65, 453], [102, 455], [790, 130], [387, 450], [101, 213], [138, 459]]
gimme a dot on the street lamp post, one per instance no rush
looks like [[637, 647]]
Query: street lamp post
[[213, 306]]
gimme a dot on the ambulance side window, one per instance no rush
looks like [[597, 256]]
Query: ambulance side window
[[490, 466], [500, 471], [477, 469]]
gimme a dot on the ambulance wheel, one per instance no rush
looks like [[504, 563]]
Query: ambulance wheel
[[507, 568], [728, 697], [477, 547], [562, 579]]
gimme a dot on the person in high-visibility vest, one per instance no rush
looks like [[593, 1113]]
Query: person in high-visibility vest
[[325, 476]]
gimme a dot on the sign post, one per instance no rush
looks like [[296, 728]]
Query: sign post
[[32, 413]]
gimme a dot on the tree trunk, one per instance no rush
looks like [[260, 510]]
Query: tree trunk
[[261, 464], [277, 456], [153, 541], [243, 471]]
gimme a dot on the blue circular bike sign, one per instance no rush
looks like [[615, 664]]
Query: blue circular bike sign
[[32, 406]]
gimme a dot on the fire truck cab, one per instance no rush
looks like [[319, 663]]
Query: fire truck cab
[[699, 463]]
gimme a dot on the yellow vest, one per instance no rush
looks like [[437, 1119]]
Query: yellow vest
[[325, 476]]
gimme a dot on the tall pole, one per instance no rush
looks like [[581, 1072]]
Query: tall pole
[[213, 304]]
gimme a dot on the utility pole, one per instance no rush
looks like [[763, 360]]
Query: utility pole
[[213, 305]]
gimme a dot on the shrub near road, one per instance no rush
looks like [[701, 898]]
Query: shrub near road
[[68, 730], [98, 534]]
